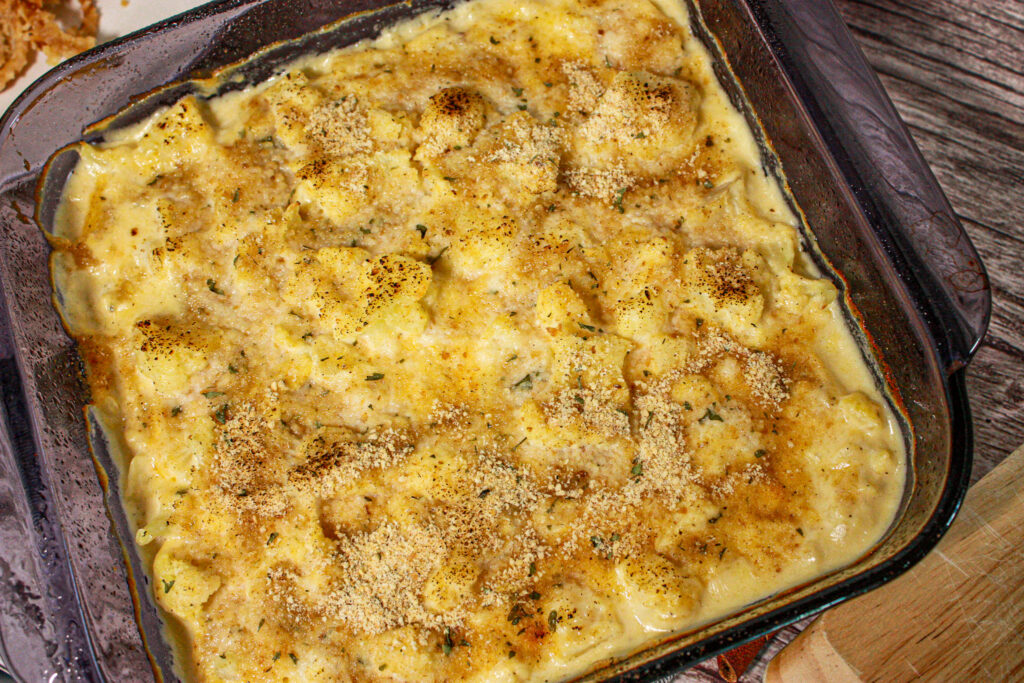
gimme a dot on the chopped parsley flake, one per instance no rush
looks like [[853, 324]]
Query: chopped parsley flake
[[711, 415], [525, 384], [619, 195]]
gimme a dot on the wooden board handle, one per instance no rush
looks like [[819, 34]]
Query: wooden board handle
[[959, 614]]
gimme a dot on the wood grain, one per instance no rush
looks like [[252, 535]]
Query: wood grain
[[955, 70], [968, 592]]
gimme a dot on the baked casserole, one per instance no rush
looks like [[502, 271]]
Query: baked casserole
[[484, 350]]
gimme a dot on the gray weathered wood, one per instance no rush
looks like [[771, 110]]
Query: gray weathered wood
[[955, 69]]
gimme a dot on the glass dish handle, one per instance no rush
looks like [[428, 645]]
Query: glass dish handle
[[891, 182]]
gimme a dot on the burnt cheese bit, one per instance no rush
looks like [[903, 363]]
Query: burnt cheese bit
[[451, 119]]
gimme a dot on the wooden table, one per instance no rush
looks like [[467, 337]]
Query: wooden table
[[955, 69]]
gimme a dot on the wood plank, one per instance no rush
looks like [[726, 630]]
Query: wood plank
[[955, 70]]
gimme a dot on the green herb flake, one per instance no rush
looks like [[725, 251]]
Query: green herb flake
[[619, 195], [521, 107], [760, 453], [588, 328], [548, 84], [262, 621], [212, 285], [518, 92], [553, 620], [518, 444], [533, 568], [234, 197], [637, 469], [168, 585], [484, 493], [277, 656], [375, 377], [232, 369], [650, 416], [687, 406], [273, 537], [708, 185], [439, 255], [295, 660], [711, 415], [495, 41], [579, 399], [175, 411], [699, 322], [221, 416], [213, 394], [800, 531], [525, 384], [422, 230], [535, 595]]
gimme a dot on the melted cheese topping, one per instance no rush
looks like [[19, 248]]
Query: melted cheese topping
[[485, 350]]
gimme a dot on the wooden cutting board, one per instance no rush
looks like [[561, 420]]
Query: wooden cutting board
[[957, 615]]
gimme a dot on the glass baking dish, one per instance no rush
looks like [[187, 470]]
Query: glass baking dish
[[73, 600]]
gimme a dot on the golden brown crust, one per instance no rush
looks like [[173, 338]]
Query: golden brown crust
[[432, 373]]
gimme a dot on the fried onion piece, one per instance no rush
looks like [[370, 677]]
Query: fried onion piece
[[29, 25]]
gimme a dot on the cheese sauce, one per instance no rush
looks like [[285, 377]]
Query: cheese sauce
[[483, 350]]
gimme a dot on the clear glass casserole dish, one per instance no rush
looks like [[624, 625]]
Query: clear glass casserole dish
[[70, 607]]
